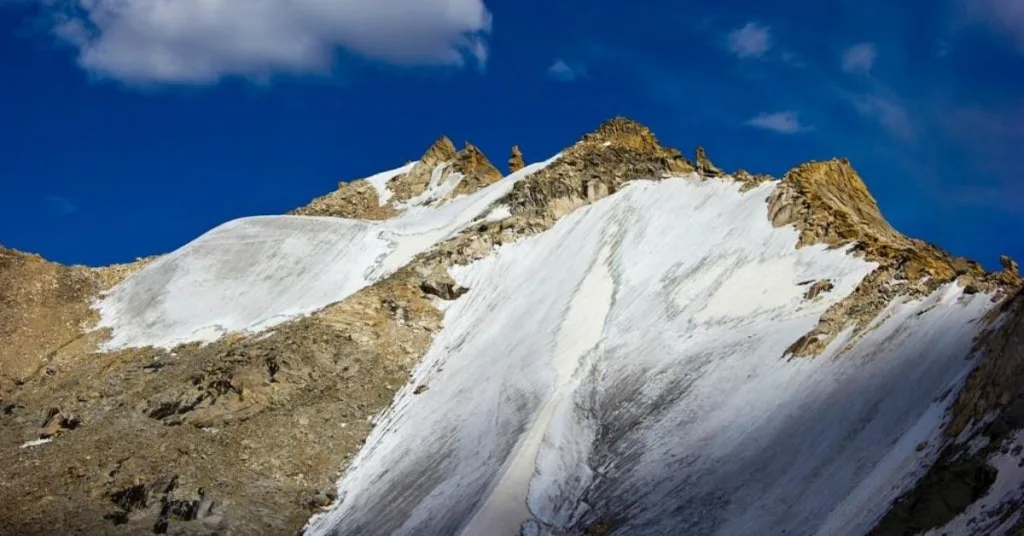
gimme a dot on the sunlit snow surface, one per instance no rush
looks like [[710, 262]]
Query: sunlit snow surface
[[627, 366], [253, 273]]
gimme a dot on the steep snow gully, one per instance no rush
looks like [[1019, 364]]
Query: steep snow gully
[[623, 369]]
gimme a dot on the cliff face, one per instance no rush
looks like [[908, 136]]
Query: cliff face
[[603, 342]]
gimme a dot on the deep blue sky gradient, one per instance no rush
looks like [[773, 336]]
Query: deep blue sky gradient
[[94, 171]]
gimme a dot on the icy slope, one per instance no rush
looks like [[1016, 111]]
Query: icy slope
[[253, 273], [625, 368]]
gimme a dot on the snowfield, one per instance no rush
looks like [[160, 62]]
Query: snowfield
[[627, 367], [254, 273]]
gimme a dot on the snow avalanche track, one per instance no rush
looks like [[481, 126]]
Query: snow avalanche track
[[626, 367]]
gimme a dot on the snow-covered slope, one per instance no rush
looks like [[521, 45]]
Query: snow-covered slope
[[636, 357], [254, 273], [624, 369]]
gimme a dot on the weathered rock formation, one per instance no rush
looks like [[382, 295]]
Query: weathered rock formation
[[515, 162]]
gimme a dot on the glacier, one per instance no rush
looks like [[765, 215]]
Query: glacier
[[627, 367]]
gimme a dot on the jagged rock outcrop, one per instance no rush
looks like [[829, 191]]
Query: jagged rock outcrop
[[704, 165], [829, 204], [750, 180], [515, 162], [357, 200], [361, 199], [476, 169], [620, 150]]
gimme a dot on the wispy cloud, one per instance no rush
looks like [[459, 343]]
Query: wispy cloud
[[859, 58], [889, 112], [1006, 16], [750, 41], [198, 41], [562, 71], [787, 122]]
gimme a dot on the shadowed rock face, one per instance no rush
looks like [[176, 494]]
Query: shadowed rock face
[[248, 434]]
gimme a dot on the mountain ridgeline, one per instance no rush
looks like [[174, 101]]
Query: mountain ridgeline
[[617, 340]]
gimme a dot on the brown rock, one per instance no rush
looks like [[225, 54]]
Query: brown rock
[[818, 288], [443, 150], [1009, 264], [704, 165], [515, 162], [476, 169]]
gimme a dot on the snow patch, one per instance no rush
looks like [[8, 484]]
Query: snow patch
[[380, 182]]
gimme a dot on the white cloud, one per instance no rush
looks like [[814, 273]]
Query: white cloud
[[564, 72], [750, 41], [859, 58], [782, 122], [889, 112], [201, 41]]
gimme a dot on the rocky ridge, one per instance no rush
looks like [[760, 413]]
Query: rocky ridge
[[213, 419], [359, 199]]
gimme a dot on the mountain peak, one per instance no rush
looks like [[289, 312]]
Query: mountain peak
[[472, 161], [476, 168], [836, 204], [629, 143], [624, 132], [441, 151]]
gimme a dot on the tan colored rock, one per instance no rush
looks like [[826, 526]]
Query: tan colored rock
[[1010, 275], [476, 169], [443, 150], [828, 203], [354, 200], [115, 273], [44, 307], [704, 165], [619, 151], [818, 288], [751, 180], [515, 162]]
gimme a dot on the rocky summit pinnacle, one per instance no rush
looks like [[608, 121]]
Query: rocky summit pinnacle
[[443, 150], [705, 166], [476, 169], [624, 132], [515, 161]]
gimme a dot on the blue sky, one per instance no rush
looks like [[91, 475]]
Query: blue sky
[[130, 127]]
